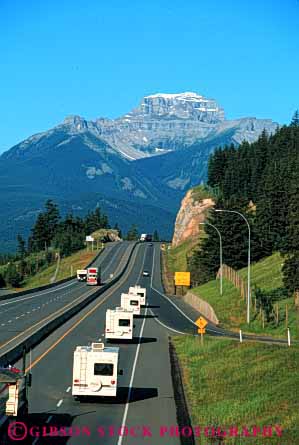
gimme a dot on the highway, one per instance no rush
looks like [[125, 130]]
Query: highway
[[21, 314], [146, 396]]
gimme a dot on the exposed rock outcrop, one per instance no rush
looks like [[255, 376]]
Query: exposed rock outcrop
[[191, 213]]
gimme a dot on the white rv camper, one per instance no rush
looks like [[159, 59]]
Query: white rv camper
[[130, 302], [95, 371], [119, 324], [81, 274], [140, 291]]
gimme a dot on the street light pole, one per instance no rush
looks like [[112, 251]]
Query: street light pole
[[248, 261], [220, 245]]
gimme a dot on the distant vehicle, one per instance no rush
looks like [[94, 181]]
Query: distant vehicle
[[13, 392], [119, 324], [95, 371], [146, 237], [93, 276], [81, 275], [140, 291], [130, 303], [146, 273]]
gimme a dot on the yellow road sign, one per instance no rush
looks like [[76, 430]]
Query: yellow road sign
[[182, 278], [201, 322], [201, 331]]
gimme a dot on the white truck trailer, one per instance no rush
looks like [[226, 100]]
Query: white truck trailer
[[81, 274], [130, 302], [140, 291], [119, 324], [95, 371]]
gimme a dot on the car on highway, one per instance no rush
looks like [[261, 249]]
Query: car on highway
[[146, 273]]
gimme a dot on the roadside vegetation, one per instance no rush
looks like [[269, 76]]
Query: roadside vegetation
[[228, 383], [68, 267]]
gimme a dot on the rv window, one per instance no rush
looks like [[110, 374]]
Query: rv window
[[103, 369], [134, 302], [140, 294], [123, 322]]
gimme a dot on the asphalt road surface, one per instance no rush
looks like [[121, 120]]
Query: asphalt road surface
[[145, 402], [21, 314]]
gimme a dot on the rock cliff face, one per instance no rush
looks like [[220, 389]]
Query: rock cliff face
[[191, 213]]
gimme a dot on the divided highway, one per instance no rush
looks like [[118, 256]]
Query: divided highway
[[145, 390], [145, 402], [20, 315]]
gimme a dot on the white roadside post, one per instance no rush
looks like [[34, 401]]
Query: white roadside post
[[241, 338], [289, 337]]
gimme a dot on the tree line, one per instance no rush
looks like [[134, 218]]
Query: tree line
[[50, 234], [260, 180]]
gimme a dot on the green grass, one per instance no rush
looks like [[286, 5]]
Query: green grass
[[177, 256], [78, 260], [200, 192], [228, 383], [231, 309]]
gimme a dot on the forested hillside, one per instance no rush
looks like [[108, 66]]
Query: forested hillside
[[259, 180]]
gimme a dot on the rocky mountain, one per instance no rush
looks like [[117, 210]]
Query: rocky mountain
[[136, 167]]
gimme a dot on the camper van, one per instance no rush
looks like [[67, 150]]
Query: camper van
[[81, 274], [130, 302], [95, 371], [119, 324], [140, 291]]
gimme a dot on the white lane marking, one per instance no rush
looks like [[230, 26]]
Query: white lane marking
[[49, 419], [9, 321], [33, 309], [35, 441], [167, 327], [68, 389], [183, 313], [2, 324], [37, 295], [59, 403], [23, 315], [123, 423]]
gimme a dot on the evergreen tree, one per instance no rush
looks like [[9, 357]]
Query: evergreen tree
[[132, 234], [295, 119], [21, 250], [156, 236], [12, 276]]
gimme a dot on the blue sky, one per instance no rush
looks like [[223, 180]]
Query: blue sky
[[99, 58]]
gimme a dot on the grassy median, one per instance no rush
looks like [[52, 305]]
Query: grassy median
[[228, 383]]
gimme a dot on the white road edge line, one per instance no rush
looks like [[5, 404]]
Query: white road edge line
[[123, 423], [49, 419], [167, 327], [183, 313]]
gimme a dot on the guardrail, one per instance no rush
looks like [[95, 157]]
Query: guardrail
[[16, 352], [46, 286]]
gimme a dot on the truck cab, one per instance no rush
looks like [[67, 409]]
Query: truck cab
[[131, 302], [140, 291], [95, 371], [119, 324], [93, 276]]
